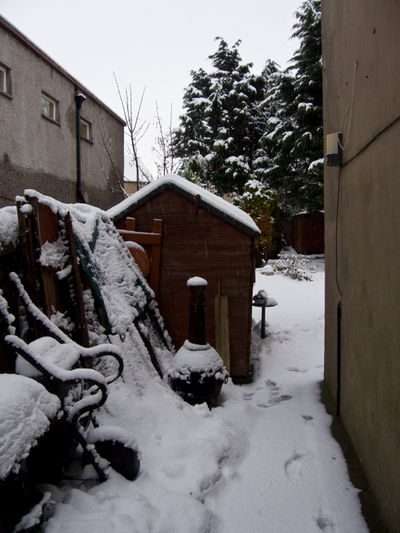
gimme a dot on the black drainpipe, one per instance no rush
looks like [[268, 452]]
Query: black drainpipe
[[79, 99]]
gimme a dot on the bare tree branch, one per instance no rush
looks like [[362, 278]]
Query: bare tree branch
[[135, 128], [166, 163], [114, 178]]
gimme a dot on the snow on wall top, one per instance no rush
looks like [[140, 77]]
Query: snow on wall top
[[209, 201]]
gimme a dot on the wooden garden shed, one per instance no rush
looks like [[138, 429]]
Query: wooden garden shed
[[192, 232]]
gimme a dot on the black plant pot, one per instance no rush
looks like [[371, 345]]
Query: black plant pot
[[197, 388]]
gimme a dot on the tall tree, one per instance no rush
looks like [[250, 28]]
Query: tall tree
[[290, 156], [218, 133], [238, 126]]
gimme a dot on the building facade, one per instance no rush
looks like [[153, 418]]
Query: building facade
[[38, 130], [361, 82]]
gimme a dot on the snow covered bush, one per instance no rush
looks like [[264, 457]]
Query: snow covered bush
[[295, 266], [260, 202]]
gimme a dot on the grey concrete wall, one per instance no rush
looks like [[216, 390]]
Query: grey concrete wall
[[40, 154], [361, 63]]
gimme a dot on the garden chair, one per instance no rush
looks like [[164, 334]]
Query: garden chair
[[57, 362]]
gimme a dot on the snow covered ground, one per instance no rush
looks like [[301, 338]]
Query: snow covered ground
[[263, 461]]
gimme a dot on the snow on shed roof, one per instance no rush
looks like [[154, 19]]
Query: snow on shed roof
[[207, 200]]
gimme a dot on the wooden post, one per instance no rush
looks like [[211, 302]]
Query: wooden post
[[156, 257], [130, 223]]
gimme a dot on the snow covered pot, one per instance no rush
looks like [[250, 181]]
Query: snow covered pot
[[198, 371]]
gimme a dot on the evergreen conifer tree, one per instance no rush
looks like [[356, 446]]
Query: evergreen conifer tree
[[290, 156], [218, 135], [238, 126]]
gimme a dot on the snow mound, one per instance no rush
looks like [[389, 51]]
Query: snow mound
[[8, 228], [25, 410], [198, 358], [55, 353]]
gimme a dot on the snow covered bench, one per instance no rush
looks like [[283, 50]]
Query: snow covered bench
[[56, 348]]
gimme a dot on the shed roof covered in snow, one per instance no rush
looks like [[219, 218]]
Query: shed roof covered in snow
[[207, 200]]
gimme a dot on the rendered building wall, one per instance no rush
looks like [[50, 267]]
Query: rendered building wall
[[361, 64], [40, 154]]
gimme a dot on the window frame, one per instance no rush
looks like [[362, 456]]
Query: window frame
[[89, 129], [5, 88], [55, 116]]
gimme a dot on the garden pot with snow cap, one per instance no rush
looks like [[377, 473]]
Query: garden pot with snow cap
[[198, 372]]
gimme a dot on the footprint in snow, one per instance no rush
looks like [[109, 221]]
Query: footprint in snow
[[272, 385], [295, 464], [275, 400], [297, 369], [174, 470], [281, 337], [248, 395], [278, 399], [275, 396], [326, 524]]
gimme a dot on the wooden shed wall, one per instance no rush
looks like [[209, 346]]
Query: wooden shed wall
[[198, 243], [308, 233]]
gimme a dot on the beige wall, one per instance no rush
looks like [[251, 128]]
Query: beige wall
[[40, 154], [361, 60]]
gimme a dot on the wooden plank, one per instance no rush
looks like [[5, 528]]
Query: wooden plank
[[48, 231], [47, 223], [140, 237], [221, 310], [77, 302], [27, 232], [155, 258]]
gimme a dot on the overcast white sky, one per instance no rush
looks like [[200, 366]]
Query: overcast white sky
[[151, 43]]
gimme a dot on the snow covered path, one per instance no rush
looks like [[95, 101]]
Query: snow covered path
[[293, 477], [263, 461]]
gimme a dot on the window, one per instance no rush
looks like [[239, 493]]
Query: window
[[85, 130], [49, 108], [5, 80]]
